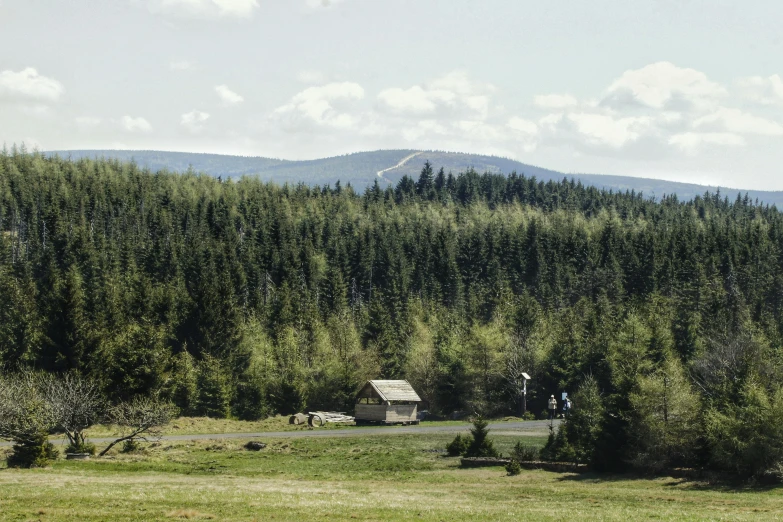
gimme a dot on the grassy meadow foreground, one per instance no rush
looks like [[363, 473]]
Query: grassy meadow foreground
[[394, 477]]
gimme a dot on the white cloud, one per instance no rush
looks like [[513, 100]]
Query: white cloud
[[766, 91], [132, 124], [228, 96], [423, 128], [736, 121], [205, 8], [653, 111], [181, 65], [602, 129], [663, 85], [459, 82], [478, 130], [326, 106], [522, 125], [453, 96], [550, 121], [28, 85], [691, 142], [194, 120], [555, 101], [415, 99]]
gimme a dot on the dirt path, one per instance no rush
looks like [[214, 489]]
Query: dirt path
[[402, 162], [527, 428]]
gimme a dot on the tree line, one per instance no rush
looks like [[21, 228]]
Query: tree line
[[241, 298]]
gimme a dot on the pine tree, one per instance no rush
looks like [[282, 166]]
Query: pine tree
[[665, 426], [481, 445]]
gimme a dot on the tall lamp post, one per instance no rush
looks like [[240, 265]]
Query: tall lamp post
[[525, 377]]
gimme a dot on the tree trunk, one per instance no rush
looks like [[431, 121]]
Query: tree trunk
[[110, 446]]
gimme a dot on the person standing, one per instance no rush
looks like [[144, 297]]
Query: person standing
[[552, 407], [566, 407]]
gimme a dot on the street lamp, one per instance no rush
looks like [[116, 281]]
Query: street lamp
[[525, 377]]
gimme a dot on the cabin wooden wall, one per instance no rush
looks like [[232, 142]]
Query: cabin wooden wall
[[401, 413], [384, 413], [370, 412]]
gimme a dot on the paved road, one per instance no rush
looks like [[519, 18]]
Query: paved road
[[504, 428]]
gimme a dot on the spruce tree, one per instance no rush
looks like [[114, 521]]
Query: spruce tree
[[481, 445]]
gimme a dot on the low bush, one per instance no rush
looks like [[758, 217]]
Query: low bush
[[130, 446], [528, 416], [513, 468], [557, 448], [35, 453], [523, 453], [459, 446], [85, 447]]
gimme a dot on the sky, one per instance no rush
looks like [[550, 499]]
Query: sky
[[684, 90]]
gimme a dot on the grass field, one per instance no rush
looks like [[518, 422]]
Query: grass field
[[394, 477], [206, 426]]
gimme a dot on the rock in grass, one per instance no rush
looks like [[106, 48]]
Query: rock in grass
[[254, 445]]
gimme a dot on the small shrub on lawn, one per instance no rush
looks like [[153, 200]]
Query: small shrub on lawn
[[86, 447], [528, 416], [130, 446], [458, 446], [481, 445], [524, 453], [558, 449], [513, 468], [36, 453]]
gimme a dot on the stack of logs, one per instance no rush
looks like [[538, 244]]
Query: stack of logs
[[320, 418]]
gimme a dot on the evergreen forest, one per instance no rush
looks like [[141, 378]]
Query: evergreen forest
[[662, 319]]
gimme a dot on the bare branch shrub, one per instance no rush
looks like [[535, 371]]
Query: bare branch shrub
[[140, 418], [77, 403]]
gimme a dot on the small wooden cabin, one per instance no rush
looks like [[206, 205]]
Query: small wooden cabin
[[387, 402]]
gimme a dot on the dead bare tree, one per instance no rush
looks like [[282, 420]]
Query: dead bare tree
[[140, 419], [720, 369], [77, 403]]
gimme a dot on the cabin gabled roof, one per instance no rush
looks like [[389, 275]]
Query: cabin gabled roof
[[395, 390]]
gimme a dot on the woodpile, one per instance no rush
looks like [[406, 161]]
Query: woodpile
[[320, 418], [297, 419]]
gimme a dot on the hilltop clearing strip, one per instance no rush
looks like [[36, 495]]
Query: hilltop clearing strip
[[404, 160], [525, 428]]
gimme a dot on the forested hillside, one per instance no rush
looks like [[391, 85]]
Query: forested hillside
[[361, 170], [243, 298]]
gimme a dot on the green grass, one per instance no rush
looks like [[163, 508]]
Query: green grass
[[394, 477], [206, 425], [209, 426]]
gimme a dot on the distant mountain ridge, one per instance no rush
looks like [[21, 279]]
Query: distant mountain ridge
[[361, 169]]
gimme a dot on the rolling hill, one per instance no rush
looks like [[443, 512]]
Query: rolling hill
[[361, 169]]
